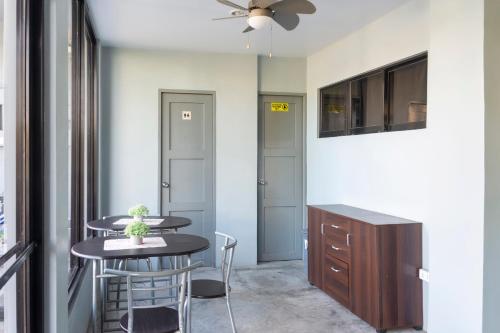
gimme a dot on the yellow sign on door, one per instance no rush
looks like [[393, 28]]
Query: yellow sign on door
[[279, 107]]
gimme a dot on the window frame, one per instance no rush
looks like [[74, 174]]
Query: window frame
[[30, 162], [84, 140], [387, 127]]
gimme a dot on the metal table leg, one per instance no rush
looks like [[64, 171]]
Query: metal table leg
[[188, 300], [96, 301]]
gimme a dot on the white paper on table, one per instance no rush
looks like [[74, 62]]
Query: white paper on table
[[147, 221], [126, 243]]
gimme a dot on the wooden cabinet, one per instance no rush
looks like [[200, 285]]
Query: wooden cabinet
[[368, 262]]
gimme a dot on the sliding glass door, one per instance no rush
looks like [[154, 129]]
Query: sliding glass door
[[21, 165]]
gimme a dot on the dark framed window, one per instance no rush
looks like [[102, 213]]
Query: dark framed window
[[367, 104], [407, 95], [83, 131], [334, 110], [392, 98]]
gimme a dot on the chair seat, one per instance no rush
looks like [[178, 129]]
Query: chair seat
[[154, 320], [207, 289]]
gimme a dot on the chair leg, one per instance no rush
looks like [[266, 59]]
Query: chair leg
[[228, 302], [150, 269], [120, 265]]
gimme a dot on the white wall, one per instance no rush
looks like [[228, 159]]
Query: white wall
[[279, 74], [434, 175], [456, 165], [129, 92], [492, 165]]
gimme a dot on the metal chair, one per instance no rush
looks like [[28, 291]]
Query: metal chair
[[156, 317], [205, 289]]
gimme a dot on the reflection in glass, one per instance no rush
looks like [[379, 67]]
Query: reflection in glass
[[408, 96], [367, 104], [333, 110]]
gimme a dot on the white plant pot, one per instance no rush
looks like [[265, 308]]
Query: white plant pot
[[137, 240], [139, 218]]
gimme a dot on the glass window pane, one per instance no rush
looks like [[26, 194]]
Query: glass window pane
[[367, 104], [333, 110], [408, 96]]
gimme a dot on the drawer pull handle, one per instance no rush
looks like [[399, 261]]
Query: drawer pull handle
[[335, 270], [335, 248], [335, 226], [322, 227], [348, 239]]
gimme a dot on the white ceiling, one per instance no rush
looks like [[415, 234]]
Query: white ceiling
[[187, 25]]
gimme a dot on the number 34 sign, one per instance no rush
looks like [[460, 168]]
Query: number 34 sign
[[279, 107]]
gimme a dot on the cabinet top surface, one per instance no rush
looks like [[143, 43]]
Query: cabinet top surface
[[363, 215]]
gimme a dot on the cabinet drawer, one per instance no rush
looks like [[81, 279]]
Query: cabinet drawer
[[335, 225], [337, 247], [336, 279]]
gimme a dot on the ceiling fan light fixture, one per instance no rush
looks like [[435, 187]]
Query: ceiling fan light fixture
[[260, 18]]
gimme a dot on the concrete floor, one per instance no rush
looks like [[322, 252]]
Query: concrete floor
[[275, 297], [272, 298]]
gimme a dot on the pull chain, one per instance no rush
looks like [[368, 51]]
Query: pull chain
[[271, 40], [248, 40]]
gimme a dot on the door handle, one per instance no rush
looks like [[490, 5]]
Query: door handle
[[165, 185], [261, 181]]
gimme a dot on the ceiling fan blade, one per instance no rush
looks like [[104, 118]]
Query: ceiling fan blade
[[294, 6], [232, 4], [248, 29], [262, 3], [289, 21], [228, 17]]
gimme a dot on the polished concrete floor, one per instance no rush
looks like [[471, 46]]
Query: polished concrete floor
[[275, 297]]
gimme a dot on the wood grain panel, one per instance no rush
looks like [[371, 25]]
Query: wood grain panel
[[400, 259], [314, 247], [364, 283]]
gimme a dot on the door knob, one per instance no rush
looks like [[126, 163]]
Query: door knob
[[165, 185], [261, 181]]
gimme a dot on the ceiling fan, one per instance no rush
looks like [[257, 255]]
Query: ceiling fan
[[260, 13]]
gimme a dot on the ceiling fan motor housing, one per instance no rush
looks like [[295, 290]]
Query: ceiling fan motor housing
[[260, 17]]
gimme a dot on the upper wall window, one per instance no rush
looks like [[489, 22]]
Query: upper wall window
[[367, 104], [408, 96], [392, 98], [334, 110]]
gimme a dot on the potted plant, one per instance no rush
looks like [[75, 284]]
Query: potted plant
[[136, 231], [138, 212]]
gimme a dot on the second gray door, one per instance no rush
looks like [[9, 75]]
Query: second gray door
[[280, 188], [187, 163]]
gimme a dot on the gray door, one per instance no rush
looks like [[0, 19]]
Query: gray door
[[280, 188], [187, 163]]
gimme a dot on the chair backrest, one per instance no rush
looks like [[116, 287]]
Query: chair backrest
[[227, 256], [162, 281]]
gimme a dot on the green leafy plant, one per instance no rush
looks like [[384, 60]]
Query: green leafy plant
[[137, 228], [139, 210]]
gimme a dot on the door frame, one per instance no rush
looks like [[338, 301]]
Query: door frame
[[304, 150], [214, 152]]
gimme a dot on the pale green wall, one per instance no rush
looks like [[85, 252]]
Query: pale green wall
[[279, 74], [491, 305], [130, 85]]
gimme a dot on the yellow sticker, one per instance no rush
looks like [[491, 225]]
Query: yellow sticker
[[279, 107]]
